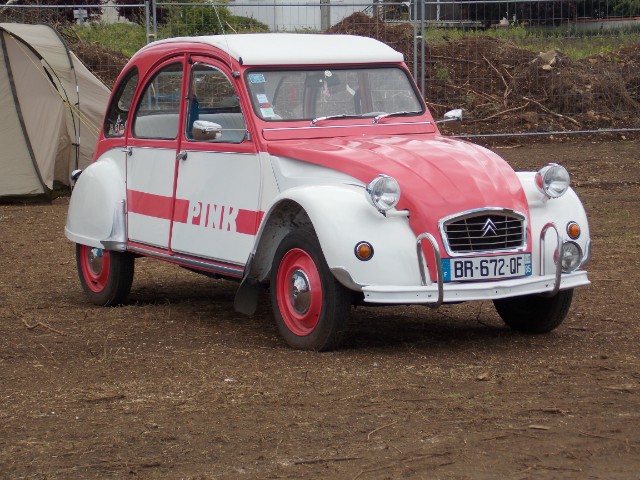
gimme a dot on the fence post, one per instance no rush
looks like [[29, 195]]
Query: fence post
[[146, 20], [149, 19], [155, 19], [422, 51], [325, 15], [415, 39]]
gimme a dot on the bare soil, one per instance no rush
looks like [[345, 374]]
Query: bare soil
[[177, 385]]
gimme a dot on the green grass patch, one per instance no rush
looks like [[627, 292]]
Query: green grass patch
[[120, 37], [575, 46]]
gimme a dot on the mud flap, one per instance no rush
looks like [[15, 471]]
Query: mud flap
[[246, 299]]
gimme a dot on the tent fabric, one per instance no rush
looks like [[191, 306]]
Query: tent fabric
[[52, 109]]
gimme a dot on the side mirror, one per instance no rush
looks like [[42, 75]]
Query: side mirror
[[204, 130], [452, 116]]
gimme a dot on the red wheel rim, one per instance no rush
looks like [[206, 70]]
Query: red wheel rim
[[299, 292], [95, 264]]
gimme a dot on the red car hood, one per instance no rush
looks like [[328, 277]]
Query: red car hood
[[438, 176]]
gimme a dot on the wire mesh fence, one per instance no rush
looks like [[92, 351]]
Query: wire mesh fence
[[515, 67]]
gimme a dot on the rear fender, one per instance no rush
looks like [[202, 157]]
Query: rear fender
[[96, 215]]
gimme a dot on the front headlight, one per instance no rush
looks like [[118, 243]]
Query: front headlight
[[383, 192], [571, 256], [553, 180]]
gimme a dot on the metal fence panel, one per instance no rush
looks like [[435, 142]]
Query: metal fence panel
[[516, 67]]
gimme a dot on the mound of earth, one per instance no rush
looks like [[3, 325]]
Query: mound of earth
[[104, 63], [503, 87]]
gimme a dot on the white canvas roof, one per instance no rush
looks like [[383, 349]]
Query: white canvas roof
[[298, 49], [52, 109]]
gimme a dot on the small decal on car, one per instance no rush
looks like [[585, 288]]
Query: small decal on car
[[256, 78]]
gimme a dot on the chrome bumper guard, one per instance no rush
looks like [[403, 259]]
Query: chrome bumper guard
[[434, 293]]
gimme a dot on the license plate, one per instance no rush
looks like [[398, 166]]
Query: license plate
[[486, 268]]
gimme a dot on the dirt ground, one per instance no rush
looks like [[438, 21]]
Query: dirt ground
[[177, 385]]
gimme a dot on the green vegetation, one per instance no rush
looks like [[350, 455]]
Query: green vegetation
[[120, 37], [442, 74], [176, 21], [207, 20], [575, 46]]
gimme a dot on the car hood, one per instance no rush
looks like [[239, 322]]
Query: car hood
[[438, 176]]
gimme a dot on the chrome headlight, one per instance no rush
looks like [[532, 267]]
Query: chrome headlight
[[383, 192], [571, 256], [553, 180]]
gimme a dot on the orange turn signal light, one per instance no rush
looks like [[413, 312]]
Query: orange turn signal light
[[364, 251], [573, 230]]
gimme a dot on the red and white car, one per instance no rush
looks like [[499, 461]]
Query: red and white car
[[309, 164]]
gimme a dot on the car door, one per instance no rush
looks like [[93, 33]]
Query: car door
[[219, 178], [151, 156]]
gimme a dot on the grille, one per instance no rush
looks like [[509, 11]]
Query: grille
[[485, 232]]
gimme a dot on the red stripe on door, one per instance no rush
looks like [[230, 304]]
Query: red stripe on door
[[246, 221], [149, 204]]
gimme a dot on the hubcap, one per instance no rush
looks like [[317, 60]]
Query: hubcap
[[299, 292], [95, 260], [95, 264]]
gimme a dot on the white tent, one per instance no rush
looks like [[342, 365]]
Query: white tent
[[51, 110]]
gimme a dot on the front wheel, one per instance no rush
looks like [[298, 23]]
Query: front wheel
[[106, 276], [535, 313], [311, 308]]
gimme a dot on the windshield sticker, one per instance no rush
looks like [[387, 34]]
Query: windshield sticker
[[267, 112], [262, 98], [257, 78]]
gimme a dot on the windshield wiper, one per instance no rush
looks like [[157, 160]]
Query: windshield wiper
[[393, 114], [362, 115], [333, 117]]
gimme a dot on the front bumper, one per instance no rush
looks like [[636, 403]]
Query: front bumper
[[463, 292], [436, 293]]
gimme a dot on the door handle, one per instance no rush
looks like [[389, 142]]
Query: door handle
[[128, 150], [181, 156]]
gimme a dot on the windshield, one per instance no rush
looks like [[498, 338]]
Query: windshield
[[314, 94]]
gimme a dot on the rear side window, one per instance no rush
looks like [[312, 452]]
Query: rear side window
[[158, 110], [118, 112]]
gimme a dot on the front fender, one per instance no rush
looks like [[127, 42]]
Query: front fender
[[96, 215], [559, 211], [342, 217]]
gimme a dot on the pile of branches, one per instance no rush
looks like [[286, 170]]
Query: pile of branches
[[504, 87], [104, 63]]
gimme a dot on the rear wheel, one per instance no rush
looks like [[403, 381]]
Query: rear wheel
[[310, 306], [535, 313], [106, 276]]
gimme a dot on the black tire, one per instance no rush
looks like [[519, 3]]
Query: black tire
[[310, 306], [105, 276], [535, 313]]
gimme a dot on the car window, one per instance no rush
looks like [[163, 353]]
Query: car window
[[311, 93], [118, 111], [213, 109], [158, 110]]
